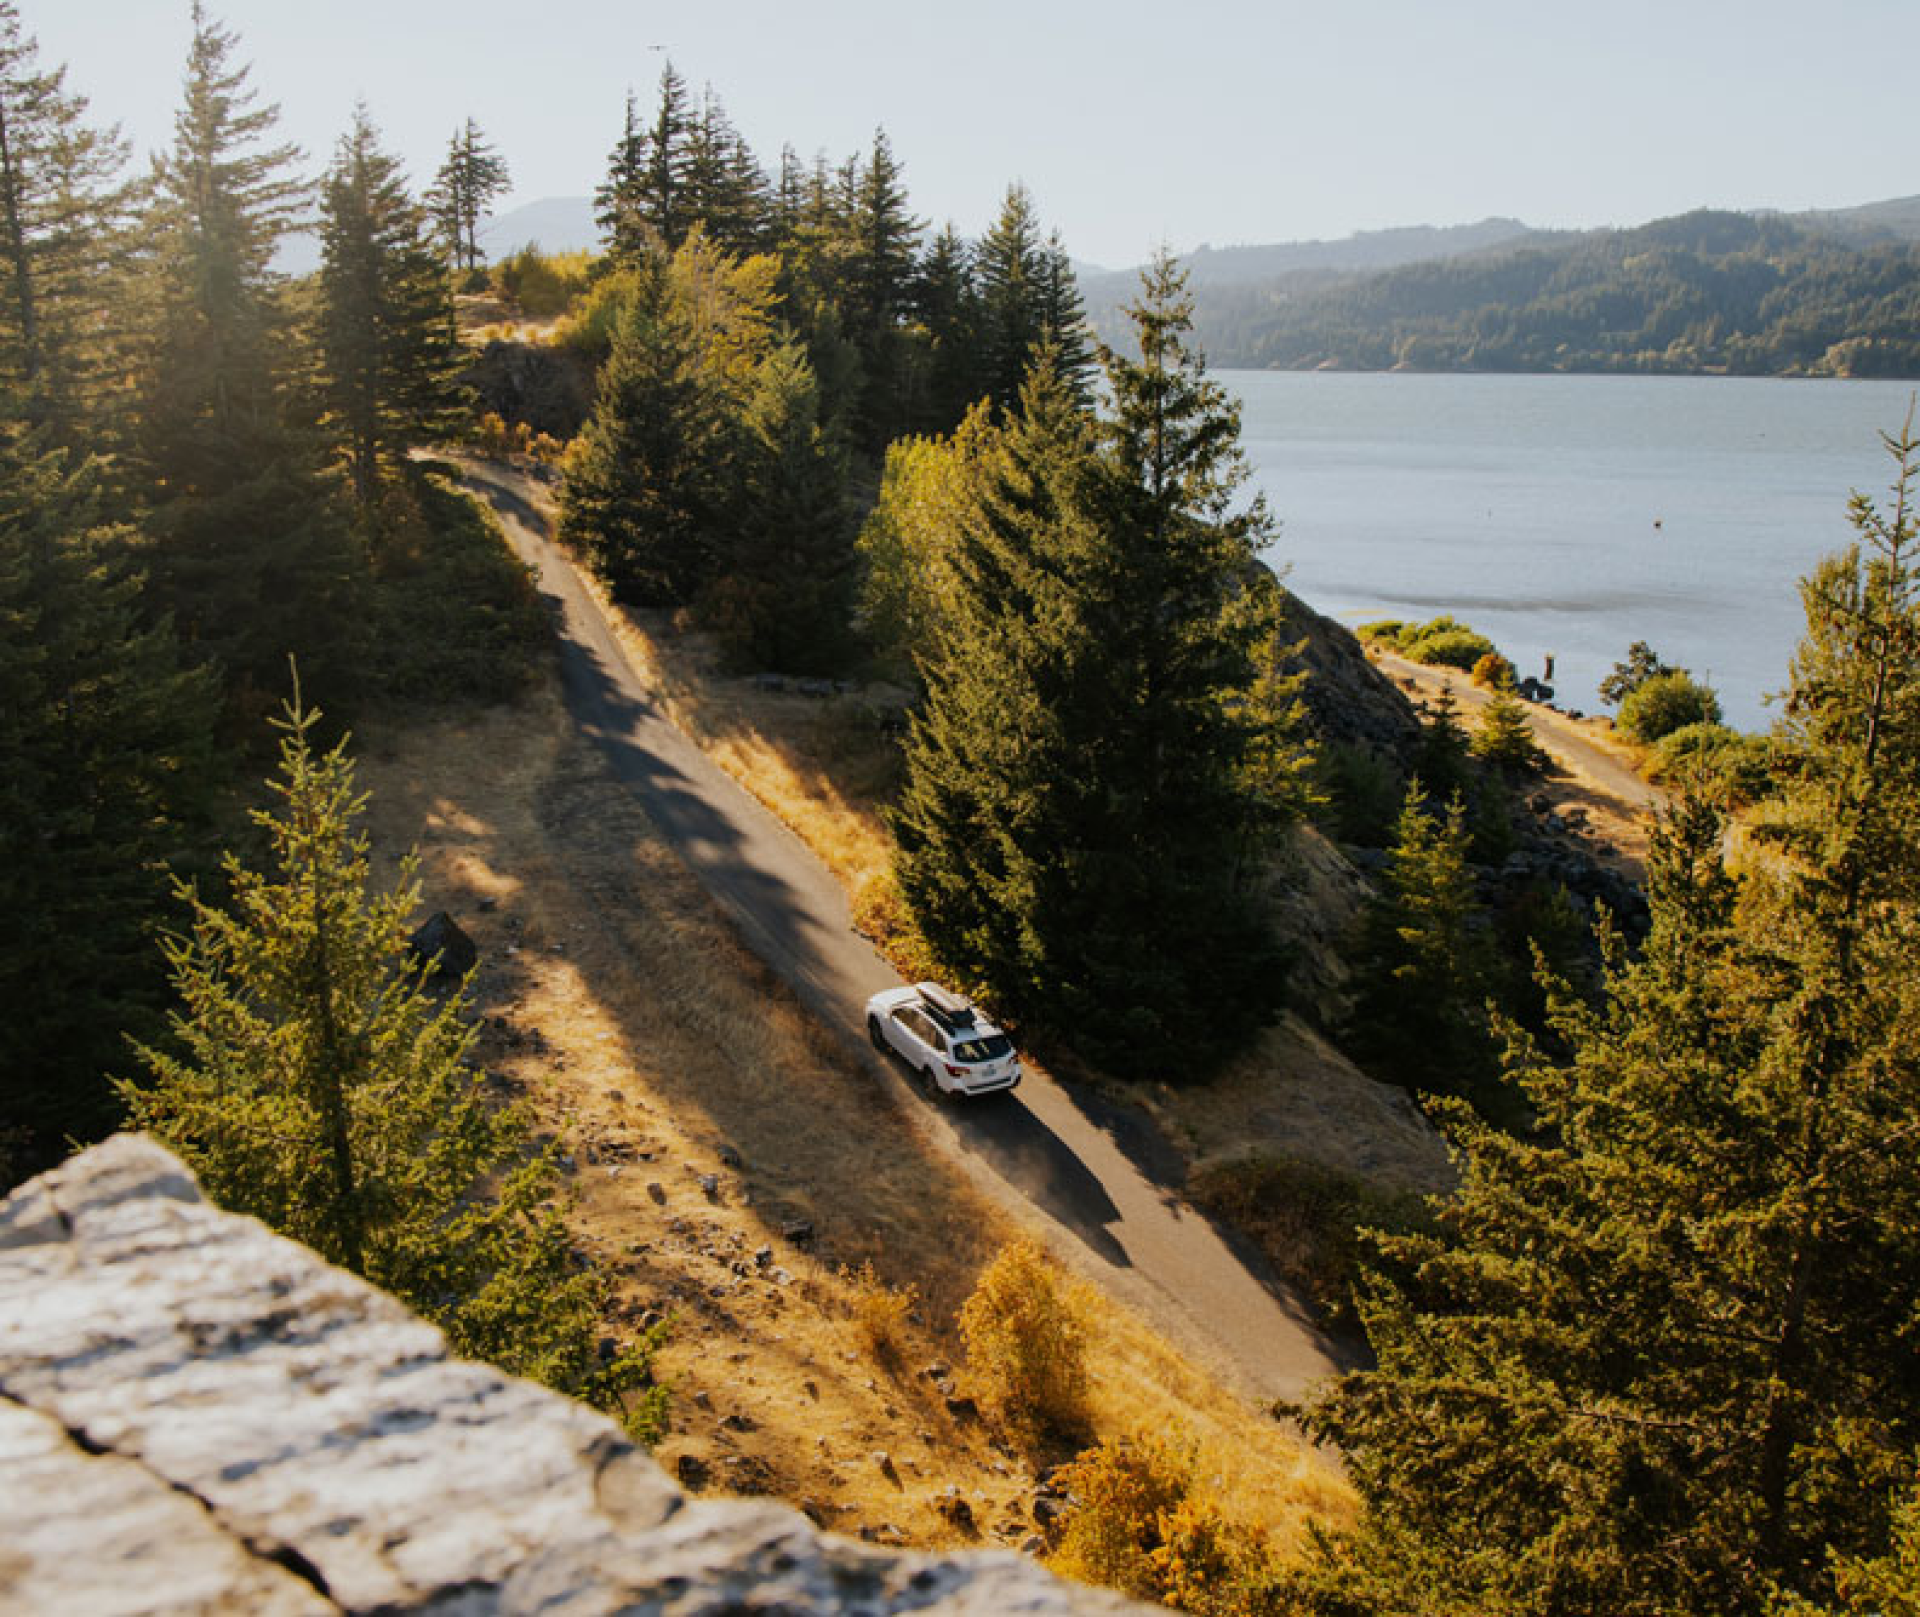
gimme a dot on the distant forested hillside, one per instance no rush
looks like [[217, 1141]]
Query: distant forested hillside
[[1704, 292]]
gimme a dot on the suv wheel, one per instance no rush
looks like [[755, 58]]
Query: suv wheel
[[929, 1085], [873, 1032]]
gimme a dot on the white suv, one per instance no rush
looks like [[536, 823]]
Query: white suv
[[952, 1048]]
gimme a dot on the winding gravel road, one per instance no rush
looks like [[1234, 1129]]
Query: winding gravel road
[[1099, 1181]]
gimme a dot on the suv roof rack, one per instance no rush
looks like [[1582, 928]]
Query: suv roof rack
[[952, 1011]]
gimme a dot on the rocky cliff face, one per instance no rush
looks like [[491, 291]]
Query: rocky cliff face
[[197, 1415]]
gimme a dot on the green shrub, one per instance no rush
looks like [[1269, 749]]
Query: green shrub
[[1505, 739], [1358, 793], [1306, 1218], [1450, 647], [542, 285], [1387, 629], [1664, 703], [1711, 754]]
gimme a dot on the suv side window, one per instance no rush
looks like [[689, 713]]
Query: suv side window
[[920, 1027]]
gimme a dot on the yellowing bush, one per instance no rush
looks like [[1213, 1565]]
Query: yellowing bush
[[1025, 1331], [1139, 1521], [881, 1313]]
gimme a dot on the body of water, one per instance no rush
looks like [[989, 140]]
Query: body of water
[[1571, 515]]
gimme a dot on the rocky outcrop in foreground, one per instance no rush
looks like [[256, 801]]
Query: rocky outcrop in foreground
[[197, 1415]]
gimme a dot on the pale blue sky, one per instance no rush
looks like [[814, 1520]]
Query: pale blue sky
[[1133, 124]]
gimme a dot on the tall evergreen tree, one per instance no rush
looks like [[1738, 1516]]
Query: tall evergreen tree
[[1423, 971], [463, 192], [250, 556], [64, 215], [1028, 301], [1008, 266], [644, 490], [878, 291], [783, 594], [663, 194], [725, 190], [1076, 826], [1661, 1357], [946, 307], [313, 1082], [104, 750], [619, 203], [388, 346]]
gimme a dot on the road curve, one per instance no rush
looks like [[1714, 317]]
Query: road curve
[[1558, 734], [1098, 1180]]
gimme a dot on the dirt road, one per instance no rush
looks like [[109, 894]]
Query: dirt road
[[1098, 1181], [1562, 737]]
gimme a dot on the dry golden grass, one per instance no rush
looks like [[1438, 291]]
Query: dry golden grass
[[708, 1117]]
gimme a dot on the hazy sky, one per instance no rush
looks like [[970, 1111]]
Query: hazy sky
[[1183, 122]]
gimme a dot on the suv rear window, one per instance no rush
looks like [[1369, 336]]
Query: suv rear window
[[991, 1048]]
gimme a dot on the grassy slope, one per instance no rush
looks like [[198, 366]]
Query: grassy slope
[[620, 1002]]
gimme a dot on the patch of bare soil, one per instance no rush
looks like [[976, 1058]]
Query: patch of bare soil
[[731, 1163]]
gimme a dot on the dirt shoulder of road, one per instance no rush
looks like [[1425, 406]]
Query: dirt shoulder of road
[[732, 1164], [1595, 786]]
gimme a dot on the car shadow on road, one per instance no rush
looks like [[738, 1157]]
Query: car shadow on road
[[1025, 1153]]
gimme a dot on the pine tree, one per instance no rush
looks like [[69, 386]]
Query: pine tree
[[783, 596], [620, 202], [1662, 1356], [1009, 268], [1063, 318], [313, 1082], [645, 487], [1076, 828], [250, 557], [106, 741], [878, 288], [1505, 741], [725, 190], [1423, 971], [64, 238], [388, 346], [663, 198], [946, 306], [463, 192]]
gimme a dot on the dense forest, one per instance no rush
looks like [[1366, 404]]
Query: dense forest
[[1655, 1350], [1705, 292]]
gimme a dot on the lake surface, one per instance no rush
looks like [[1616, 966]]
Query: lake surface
[[1571, 515]]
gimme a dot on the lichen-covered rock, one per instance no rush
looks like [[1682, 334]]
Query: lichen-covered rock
[[197, 1415]]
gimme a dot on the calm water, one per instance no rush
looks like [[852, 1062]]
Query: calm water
[[1571, 515]]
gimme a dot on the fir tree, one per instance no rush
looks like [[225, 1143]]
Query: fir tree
[[388, 346], [1009, 266], [1662, 1357], [725, 190], [784, 592], [106, 741], [620, 208], [645, 487], [946, 306], [463, 192], [1423, 972], [878, 289], [1077, 829], [64, 240], [250, 554], [312, 1082], [663, 191]]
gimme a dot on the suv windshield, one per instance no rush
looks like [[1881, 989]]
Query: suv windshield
[[991, 1048]]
